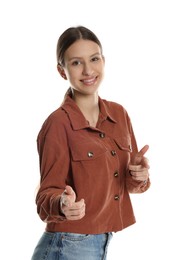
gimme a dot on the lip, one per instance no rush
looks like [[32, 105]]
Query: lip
[[89, 81]]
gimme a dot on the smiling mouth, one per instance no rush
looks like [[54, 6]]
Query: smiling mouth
[[90, 81]]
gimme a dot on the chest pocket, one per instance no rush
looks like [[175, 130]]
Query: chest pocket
[[124, 144], [87, 151]]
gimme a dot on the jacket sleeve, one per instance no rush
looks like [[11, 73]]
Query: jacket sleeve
[[54, 167], [134, 186]]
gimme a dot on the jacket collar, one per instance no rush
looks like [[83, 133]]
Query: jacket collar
[[76, 117]]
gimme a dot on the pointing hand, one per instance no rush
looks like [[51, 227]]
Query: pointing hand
[[139, 166], [69, 207]]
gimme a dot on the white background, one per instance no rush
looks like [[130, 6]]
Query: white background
[[143, 45]]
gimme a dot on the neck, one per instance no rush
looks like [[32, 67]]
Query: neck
[[89, 107]]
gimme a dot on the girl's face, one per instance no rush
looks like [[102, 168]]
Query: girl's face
[[84, 66]]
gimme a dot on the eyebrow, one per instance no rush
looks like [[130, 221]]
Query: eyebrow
[[76, 58]]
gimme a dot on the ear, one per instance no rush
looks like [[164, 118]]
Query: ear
[[61, 72]]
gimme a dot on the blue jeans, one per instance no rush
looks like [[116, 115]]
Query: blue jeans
[[71, 246]]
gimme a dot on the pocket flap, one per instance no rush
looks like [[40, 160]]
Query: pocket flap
[[124, 143], [87, 151]]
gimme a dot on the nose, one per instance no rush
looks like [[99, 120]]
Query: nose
[[87, 69]]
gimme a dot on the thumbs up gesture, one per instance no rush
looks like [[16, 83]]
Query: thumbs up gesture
[[138, 167]]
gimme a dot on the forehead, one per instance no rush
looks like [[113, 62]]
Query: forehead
[[82, 48]]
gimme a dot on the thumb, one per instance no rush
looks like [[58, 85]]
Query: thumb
[[68, 196], [69, 190], [139, 156]]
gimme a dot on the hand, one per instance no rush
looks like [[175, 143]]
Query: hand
[[139, 166], [71, 209]]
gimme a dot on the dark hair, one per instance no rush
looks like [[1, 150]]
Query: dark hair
[[71, 35]]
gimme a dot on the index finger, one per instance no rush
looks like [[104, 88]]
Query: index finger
[[143, 150]]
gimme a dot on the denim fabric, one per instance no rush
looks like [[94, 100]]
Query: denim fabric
[[72, 246]]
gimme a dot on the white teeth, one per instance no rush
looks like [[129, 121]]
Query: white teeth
[[89, 81]]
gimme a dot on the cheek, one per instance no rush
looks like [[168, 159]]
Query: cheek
[[73, 78], [101, 71], [101, 68], [73, 73]]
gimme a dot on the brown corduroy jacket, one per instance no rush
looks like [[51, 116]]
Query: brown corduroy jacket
[[94, 161]]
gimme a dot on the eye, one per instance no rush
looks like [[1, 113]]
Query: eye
[[76, 63], [95, 59]]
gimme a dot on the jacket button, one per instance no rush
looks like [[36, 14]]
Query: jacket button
[[90, 154], [116, 197], [116, 174], [113, 153], [102, 135]]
